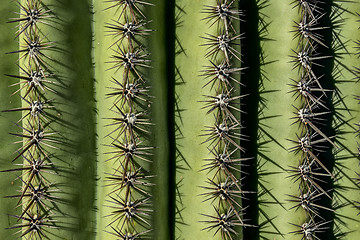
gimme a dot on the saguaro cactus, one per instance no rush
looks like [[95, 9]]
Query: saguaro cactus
[[180, 119]]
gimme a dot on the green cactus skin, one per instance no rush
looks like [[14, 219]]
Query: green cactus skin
[[190, 120], [72, 121], [110, 223], [192, 210], [82, 106], [275, 125], [275, 103], [346, 116], [7, 185], [159, 77], [102, 54], [163, 85]]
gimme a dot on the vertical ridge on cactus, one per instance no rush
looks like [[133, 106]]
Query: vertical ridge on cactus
[[130, 210], [36, 137], [276, 125]]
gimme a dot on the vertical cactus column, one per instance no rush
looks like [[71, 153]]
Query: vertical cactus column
[[36, 136], [276, 123], [132, 140], [209, 88], [128, 125], [315, 164], [56, 130]]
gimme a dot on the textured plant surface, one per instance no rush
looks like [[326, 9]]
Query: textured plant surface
[[181, 119]]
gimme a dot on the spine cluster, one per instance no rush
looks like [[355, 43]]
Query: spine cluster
[[313, 140], [129, 197], [36, 197], [223, 187]]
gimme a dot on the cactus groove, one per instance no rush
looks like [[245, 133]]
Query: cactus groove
[[180, 119]]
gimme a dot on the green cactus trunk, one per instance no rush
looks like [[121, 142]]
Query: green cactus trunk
[[180, 119]]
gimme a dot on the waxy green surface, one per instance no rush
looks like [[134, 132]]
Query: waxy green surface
[[347, 114], [72, 121], [79, 121], [191, 120], [8, 185], [276, 126], [158, 79]]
